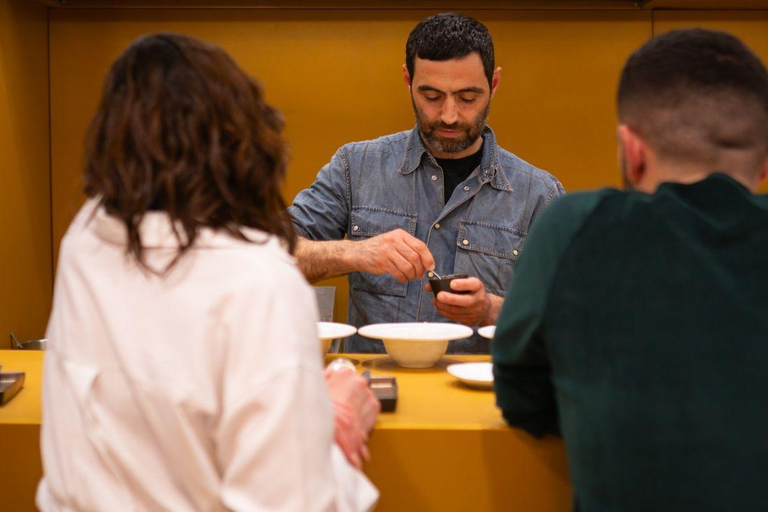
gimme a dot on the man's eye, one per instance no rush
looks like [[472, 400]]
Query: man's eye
[[465, 99], [431, 98]]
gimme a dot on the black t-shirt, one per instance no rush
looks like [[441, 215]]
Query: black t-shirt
[[457, 170]]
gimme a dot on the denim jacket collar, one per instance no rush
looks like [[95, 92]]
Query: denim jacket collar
[[490, 169]]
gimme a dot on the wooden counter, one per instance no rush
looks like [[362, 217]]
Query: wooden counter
[[20, 418], [446, 446]]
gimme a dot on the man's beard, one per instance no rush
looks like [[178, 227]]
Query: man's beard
[[471, 131]]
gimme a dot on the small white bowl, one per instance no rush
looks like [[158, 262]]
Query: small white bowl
[[487, 332], [329, 331], [475, 375], [416, 345]]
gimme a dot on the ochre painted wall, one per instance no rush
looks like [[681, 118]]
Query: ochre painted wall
[[337, 77], [25, 202]]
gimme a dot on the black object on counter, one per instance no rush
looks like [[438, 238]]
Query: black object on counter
[[10, 384], [385, 389]]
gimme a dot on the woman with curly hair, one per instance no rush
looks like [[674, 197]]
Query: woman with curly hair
[[183, 370]]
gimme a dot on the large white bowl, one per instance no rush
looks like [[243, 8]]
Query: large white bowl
[[416, 345], [329, 331]]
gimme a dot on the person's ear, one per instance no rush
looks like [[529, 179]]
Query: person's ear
[[406, 76], [633, 155], [495, 80]]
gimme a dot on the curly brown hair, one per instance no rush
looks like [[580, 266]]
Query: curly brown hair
[[182, 129]]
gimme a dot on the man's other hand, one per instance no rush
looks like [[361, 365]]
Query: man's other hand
[[473, 308]]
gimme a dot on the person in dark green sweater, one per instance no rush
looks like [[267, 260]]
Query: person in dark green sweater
[[637, 323]]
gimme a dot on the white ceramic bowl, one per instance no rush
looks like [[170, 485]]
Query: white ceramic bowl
[[476, 375], [489, 331], [329, 331], [416, 345]]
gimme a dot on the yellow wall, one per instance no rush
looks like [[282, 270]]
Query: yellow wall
[[25, 211], [337, 77]]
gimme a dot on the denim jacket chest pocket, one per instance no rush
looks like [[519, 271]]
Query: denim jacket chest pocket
[[367, 222], [488, 252]]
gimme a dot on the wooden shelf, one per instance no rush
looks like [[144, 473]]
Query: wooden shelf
[[708, 4], [410, 4], [348, 4]]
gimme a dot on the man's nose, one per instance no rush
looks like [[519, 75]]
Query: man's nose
[[450, 113]]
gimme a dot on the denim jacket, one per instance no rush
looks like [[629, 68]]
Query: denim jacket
[[373, 187]]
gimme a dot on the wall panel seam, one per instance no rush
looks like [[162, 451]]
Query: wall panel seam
[[50, 148]]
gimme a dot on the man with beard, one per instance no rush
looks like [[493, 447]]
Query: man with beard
[[443, 196]]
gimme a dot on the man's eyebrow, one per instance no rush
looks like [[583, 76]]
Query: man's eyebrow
[[472, 89], [478, 90]]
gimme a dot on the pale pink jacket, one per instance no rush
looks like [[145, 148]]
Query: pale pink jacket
[[199, 390]]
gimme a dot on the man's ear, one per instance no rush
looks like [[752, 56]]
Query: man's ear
[[495, 81], [406, 76], [634, 155]]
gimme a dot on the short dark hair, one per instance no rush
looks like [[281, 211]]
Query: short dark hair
[[450, 36], [698, 96], [182, 129]]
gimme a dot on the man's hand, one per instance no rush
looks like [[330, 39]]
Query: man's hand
[[396, 253], [356, 410], [474, 308]]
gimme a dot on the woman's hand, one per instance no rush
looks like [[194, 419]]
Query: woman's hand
[[356, 410]]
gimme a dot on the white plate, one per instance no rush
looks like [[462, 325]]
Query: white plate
[[416, 331], [477, 375], [487, 332], [333, 330]]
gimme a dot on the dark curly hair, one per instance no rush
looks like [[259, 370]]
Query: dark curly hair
[[448, 36], [183, 130]]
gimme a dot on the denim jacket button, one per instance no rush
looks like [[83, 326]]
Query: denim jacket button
[[466, 187], [434, 178], [437, 225], [355, 228], [515, 252], [465, 242]]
